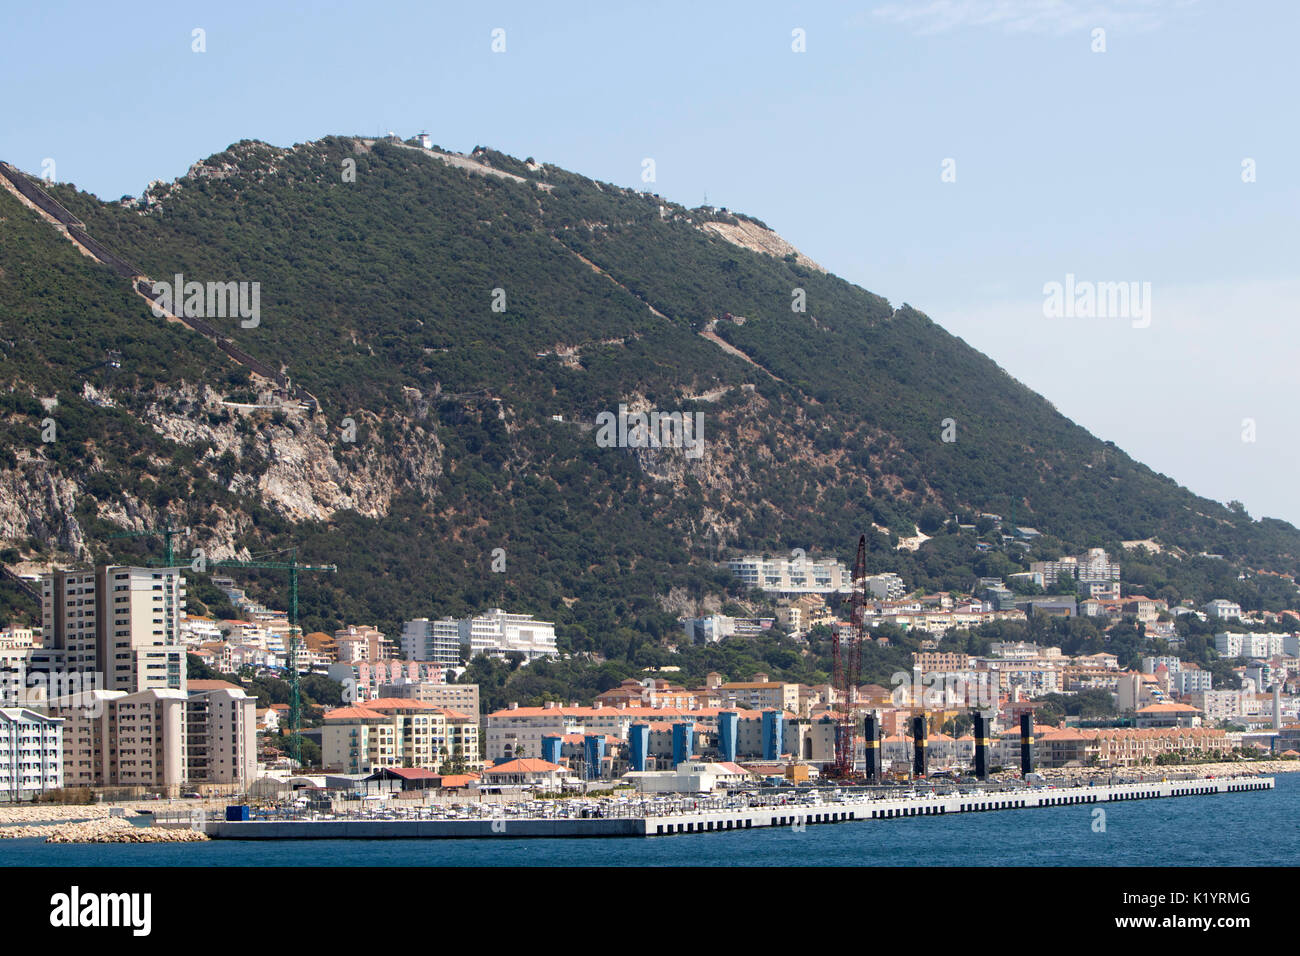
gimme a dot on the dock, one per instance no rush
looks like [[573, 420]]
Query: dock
[[850, 808]]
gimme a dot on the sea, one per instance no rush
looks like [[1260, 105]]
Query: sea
[[1259, 828]]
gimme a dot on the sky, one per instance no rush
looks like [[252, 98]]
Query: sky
[[957, 155]]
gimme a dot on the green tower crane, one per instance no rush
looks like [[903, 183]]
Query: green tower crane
[[293, 566], [167, 531]]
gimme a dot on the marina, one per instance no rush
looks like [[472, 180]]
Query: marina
[[660, 817]]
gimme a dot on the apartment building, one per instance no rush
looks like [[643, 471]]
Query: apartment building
[[1128, 747], [653, 692], [792, 576], [710, 630], [437, 641], [14, 665], [14, 636], [761, 694], [940, 661], [124, 622], [392, 732], [31, 753], [221, 734], [941, 622], [459, 697], [1219, 705], [1233, 644], [1098, 576], [115, 739], [885, 587], [362, 680], [1190, 679], [196, 629], [364, 643], [498, 633]]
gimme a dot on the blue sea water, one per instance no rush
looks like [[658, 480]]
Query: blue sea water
[[1260, 828]]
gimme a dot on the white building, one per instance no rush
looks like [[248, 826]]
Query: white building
[[498, 633], [1223, 610], [31, 753], [1219, 704], [495, 634], [1093, 568], [886, 587], [425, 640], [1190, 680], [693, 776], [797, 576], [362, 680], [1234, 644], [15, 636], [710, 630], [196, 630], [1170, 663]]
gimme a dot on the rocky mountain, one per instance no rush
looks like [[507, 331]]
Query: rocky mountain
[[419, 395]]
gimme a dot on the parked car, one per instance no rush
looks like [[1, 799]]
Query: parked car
[[192, 796]]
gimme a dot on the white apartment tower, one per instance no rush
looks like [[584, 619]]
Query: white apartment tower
[[31, 753], [437, 641]]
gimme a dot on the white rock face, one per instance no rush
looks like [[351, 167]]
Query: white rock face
[[754, 237], [296, 465], [38, 501]]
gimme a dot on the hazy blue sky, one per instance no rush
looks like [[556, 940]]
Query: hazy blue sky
[[1122, 165]]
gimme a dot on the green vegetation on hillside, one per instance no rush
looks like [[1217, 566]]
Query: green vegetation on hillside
[[387, 283]]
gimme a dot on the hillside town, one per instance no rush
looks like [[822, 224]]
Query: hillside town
[[104, 697]]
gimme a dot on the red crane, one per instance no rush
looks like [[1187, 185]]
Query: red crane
[[847, 654]]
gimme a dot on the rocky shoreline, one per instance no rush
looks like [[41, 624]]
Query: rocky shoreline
[[103, 830], [120, 830]]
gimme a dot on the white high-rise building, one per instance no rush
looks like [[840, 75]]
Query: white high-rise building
[[425, 640], [31, 753], [122, 622], [887, 587]]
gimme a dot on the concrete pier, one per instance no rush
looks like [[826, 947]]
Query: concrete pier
[[797, 814]]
